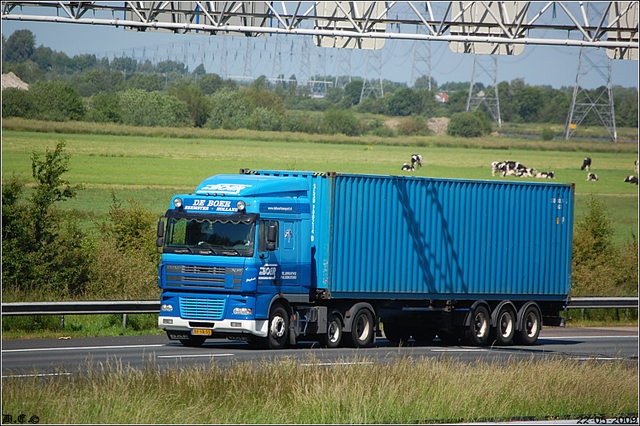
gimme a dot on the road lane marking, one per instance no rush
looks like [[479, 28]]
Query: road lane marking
[[586, 337], [81, 348], [460, 350], [192, 356], [336, 363], [37, 375]]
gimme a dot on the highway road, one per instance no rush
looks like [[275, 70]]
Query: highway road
[[45, 357]]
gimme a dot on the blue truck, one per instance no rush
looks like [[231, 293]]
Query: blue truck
[[275, 257]]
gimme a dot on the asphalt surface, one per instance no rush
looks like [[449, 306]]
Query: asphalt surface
[[44, 357]]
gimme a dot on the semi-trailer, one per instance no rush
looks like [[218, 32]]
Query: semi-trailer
[[274, 257]]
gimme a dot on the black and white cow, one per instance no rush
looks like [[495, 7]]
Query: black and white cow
[[631, 179], [416, 159], [592, 176], [407, 168], [548, 175], [586, 164]]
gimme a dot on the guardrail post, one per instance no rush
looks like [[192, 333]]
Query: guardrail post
[[582, 311], [62, 322], [124, 321]]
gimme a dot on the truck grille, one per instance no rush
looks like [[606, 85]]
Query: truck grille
[[202, 308], [208, 270]]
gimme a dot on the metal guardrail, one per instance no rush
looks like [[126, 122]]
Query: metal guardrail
[[83, 307], [603, 303], [153, 306]]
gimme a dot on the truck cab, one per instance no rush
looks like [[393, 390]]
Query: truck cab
[[229, 251]]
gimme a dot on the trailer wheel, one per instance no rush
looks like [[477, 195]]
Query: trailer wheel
[[362, 332], [333, 336], [505, 327], [531, 326], [477, 333], [395, 333], [193, 341]]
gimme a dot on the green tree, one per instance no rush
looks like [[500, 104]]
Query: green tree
[[405, 102], [210, 83], [19, 47], [57, 101], [105, 108], [17, 103], [197, 104], [42, 249], [465, 125]]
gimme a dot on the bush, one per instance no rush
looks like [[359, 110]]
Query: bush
[[296, 121], [413, 126], [599, 267], [265, 120], [341, 121], [229, 110], [547, 134], [105, 108], [17, 103], [465, 125], [141, 108], [56, 101]]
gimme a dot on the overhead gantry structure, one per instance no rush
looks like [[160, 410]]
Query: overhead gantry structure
[[469, 27]]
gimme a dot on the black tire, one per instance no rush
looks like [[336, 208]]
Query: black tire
[[362, 329], [395, 333], [505, 328], [278, 328], [193, 341], [333, 337], [531, 326], [477, 333]]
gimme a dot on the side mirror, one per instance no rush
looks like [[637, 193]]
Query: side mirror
[[160, 229], [272, 237], [159, 242]]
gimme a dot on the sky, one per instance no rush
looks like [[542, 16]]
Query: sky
[[397, 61]]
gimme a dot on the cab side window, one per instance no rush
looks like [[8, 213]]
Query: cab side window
[[263, 234]]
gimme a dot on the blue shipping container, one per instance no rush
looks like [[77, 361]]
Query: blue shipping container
[[396, 237]]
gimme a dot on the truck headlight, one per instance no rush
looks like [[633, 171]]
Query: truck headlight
[[177, 202], [241, 205], [166, 308], [241, 311]]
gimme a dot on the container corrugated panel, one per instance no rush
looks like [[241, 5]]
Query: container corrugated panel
[[399, 237]]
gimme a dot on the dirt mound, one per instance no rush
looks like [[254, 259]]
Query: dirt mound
[[12, 80], [438, 125]]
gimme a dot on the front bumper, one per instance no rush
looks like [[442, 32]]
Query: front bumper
[[231, 327]]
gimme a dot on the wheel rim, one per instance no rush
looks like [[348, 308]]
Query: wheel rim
[[363, 327], [333, 332], [506, 324], [480, 324], [278, 327], [531, 324]]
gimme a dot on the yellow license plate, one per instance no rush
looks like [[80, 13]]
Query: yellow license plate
[[201, 332]]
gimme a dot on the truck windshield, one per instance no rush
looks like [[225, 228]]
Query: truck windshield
[[225, 238]]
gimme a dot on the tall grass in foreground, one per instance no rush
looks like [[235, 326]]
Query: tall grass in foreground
[[289, 391]]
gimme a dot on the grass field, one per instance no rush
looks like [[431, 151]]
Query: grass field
[[152, 169], [355, 391]]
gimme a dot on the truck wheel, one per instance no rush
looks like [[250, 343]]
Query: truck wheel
[[278, 328], [531, 326], [333, 337], [362, 332], [477, 334], [505, 327], [193, 341], [395, 333]]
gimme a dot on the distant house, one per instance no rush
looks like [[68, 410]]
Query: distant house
[[442, 98]]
